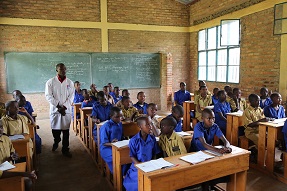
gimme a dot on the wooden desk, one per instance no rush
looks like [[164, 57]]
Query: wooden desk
[[34, 115], [22, 148], [84, 132], [234, 120], [19, 167], [186, 174], [187, 107], [76, 107], [272, 130]]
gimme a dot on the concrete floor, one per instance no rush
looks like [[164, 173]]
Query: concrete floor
[[58, 173]]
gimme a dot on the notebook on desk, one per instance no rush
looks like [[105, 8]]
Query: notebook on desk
[[197, 157]]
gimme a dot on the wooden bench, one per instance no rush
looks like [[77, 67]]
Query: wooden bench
[[77, 107], [243, 142], [187, 107], [84, 112], [12, 184]]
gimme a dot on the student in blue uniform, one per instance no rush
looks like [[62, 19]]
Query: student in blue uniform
[[215, 97], [141, 105], [23, 103], [88, 101], [264, 98], [204, 133], [117, 97], [177, 114], [78, 97], [100, 112], [275, 110], [181, 95], [143, 147], [111, 89], [110, 132], [220, 110]]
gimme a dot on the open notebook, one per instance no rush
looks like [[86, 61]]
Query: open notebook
[[197, 157], [154, 165], [6, 166]]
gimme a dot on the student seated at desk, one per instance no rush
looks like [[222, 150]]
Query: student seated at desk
[[264, 98], [129, 112], [110, 132], [93, 92], [78, 97], [220, 110], [215, 97], [109, 98], [204, 133], [100, 112], [151, 112], [88, 101], [143, 148], [275, 109], [117, 97], [181, 95], [177, 114], [141, 105], [7, 153], [201, 101], [237, 103], [201, 83], [125, 92], [171, 143], [111, 89]]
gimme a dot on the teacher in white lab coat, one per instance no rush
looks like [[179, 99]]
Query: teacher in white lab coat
[[59, 92]]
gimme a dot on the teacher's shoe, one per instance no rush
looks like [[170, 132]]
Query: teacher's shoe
[[55, 146], [67, 154]]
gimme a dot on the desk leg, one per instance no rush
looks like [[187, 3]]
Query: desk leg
[[118, 171], [235, 131], [272, 134], [114, 155], [140, 181], [241, 179], [229, 128], [184, 116], [231, 185], [261, 145]]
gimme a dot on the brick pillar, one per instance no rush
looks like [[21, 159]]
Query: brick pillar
[[166, 82]]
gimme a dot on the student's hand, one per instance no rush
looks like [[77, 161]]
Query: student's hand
[[23, 110], [114, 140], [32, 175], [263, 120], [221, 150], [140, 111], [14, 156], [227, 149], [98, 121]]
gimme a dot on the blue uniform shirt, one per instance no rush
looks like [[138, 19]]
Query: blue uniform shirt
[[271, 112], [178, 127], [181, 96], [214, 100], [142, 107], [112, 94], [223, 108], [117, 99], [266, 103], [207, 134], [88, 103], [78, 97], [102, 112], [28, 107], [284, 130]]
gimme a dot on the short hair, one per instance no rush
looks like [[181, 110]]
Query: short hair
[[125, 98], [84, 91], [178, 109], [125, 90], [253, 97], [59, 65], [141, 119], [9, 103], [263, 89], [220, 92], [206, 111], [19, 97], [140, 93], [114, 110], [274, 95], [76, 82], [117, 87], [16, 92], [214, 89], [235, 90], [169, 121], [182, 83], [100, 94], [151, 105], [202, 87], [226, 88], [110, 83], [106, 87]]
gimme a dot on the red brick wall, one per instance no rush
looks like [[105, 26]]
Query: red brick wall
[[160, 12]]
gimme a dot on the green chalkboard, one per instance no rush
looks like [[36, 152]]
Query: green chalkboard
[[29, 71], [126, 70]]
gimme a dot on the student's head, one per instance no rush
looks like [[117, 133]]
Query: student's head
[[111, 87], [1, 128], [106, 90], [77, 85], [227, 88], [21, 100], [276, 98], [203, 90], [126, 101], [117, 91], [237, 92], [116, 114], [16, 93], [208, 117], [141, 97], [85, 94], [201, 83], [215, 91], [102, 98], [144, 123], [230, 94], [264, 92], [254, 100], [221, 95], [12, 107], [125, 92], [177, 112], [182, 86], [93, 87], [167, 125], [151, 109], [61, 69]]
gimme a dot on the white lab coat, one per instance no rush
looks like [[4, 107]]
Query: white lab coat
[[62, 94]]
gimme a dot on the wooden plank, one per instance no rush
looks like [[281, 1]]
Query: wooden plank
[[229, 127], [261, 146], [241, 179], [272, 134]]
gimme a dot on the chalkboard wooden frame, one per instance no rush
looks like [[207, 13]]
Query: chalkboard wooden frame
[[35, 68]]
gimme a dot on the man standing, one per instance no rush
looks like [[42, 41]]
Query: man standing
[[59, 92]]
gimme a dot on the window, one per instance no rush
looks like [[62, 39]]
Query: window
[[215, 62]]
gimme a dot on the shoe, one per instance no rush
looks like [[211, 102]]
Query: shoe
[[67, 154], [55, 146]]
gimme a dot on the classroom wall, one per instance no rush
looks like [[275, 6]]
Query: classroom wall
[[260, 50]]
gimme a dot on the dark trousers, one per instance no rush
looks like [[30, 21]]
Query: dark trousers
[[65, 141]]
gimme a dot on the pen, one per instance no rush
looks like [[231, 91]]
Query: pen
[[165, 167]]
